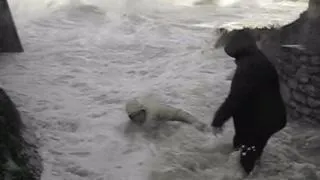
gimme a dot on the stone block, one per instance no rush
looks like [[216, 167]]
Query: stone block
[[316, 112], [304, 58], [313, 102], [299, 97], [309, 90], [289, 70], [313, 70], [283, 78], [301, 108], [295, 115], [290, 58], [303, 78], [315, 81], [9, 39], [310, 119], [315, 60], [292, 104], [304, 110], [292, 83]]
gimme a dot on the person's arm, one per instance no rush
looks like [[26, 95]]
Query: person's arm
[[169, 113], [243, 84]]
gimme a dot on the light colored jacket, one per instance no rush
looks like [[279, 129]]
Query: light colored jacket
[[157, 112]]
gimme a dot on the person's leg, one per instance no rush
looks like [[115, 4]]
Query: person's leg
[[239, 133], [236, 142], [251, 151]]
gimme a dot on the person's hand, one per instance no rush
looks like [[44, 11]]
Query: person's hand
[[217, 130], [202, 127]]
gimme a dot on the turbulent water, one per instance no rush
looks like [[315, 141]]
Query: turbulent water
[[83, 61]]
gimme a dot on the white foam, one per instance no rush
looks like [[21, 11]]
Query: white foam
[[81, 63]]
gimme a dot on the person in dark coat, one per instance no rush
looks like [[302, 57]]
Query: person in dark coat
[[254, 101]]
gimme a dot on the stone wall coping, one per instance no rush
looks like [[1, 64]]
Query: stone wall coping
[[298, 48]]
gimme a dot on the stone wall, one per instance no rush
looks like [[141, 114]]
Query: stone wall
[[298, 66], [299, 72], [294, 49]]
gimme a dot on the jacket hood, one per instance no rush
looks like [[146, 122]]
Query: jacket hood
[[241, 43]]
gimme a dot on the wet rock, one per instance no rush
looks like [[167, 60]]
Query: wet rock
[[295, 115], [315, 60], [19, 158], [289, 69], [315, 80], [310, 90], [300, 97], [316, 112], [313, 103], [304, 58], [304, 79], [292, 83], [304, 110]]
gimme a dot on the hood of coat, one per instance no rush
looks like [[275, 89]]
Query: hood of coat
[[241, 43]]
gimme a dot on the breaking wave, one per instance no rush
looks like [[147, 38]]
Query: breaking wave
[[84, 59]]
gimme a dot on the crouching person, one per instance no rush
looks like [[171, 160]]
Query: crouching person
[[141, 111]]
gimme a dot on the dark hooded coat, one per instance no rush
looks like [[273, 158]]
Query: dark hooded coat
[[254, 100]]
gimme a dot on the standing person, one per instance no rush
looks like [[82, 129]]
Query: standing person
[[254, 101]]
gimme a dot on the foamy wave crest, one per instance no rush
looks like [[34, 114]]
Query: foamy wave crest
[[190, 154], [33, 9]]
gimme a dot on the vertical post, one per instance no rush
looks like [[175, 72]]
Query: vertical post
[[314, 9], [310, 34], [9, 39]]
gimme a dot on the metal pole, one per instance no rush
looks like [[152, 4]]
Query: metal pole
[[9, 39]]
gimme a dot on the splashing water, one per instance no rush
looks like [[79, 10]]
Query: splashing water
[[84, 59], [227, 2]]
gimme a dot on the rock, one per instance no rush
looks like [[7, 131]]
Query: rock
[[310, 90], [295, 115], [313, 70], [9, 39], [315, 81], [316, 112], [292, 83], [304, 79], [304, 109], [315, 60], [293, 104], [300, 97], [18, 157], [289, 69], [313, 103], [304, 58]]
